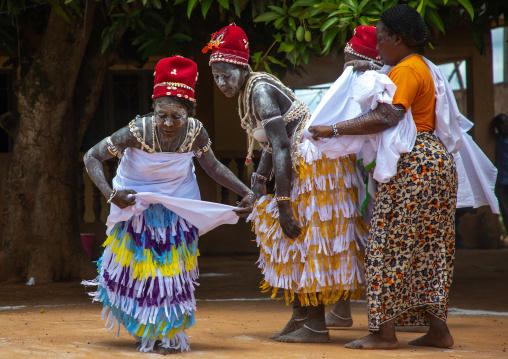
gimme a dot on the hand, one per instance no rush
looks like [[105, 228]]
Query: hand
[[290, 226], [246, 206], [122, 198], [319, 132], [358, 65], [259, 188]]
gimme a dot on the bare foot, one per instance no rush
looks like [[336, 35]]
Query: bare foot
[[438, 335], [336, 321], [430, 340], [306, 335], [291, 326], [372, 341]]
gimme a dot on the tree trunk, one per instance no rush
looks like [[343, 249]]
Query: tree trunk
[[41, 234]]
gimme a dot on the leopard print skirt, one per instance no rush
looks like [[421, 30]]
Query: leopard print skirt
[[411, 249]]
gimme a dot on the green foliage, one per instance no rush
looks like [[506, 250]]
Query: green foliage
[[155, 27], [303, 28], [284, 34], [152, 23]]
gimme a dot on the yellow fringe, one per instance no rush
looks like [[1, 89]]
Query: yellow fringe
[[335, 227], [148, 268], [169, 334]]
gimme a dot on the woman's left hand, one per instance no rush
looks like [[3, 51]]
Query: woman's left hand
[[246, 206], [358, 65], [290, 226], [319, 132]]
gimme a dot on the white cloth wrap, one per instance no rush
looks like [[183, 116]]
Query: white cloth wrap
[[169, 179], [366, 89], [476, 173]]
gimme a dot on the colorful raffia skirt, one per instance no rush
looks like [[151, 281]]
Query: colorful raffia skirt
[[411, 249], [325, 262], [146, 278]]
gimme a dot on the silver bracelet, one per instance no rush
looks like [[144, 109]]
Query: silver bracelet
[[111, 196]]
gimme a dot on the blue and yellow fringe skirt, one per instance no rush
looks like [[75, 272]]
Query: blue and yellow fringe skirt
[[146, 279], [325, 262]]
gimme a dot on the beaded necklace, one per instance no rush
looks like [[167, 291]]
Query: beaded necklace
[[135, 131], [299, 111], [192, 131]]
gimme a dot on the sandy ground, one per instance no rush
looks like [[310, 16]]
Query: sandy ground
[[234, 319]]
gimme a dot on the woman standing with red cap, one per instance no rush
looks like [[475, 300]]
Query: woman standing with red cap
[[310, 233], [149, 266]]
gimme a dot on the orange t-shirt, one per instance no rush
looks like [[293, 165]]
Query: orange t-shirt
[[415, 89]]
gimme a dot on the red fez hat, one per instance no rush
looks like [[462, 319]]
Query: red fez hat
[[363, 44], [175, 76], [230, 44]]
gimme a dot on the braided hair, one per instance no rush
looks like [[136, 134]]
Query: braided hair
[[405, 21]]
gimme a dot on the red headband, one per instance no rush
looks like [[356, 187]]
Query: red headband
[[175, 76]]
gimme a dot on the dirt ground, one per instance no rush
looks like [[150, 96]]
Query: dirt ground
[[234, 319]]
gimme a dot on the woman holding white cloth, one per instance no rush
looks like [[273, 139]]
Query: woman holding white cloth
[[410, 254], [148, 269]]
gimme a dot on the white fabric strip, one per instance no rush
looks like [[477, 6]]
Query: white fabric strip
[[169, 179], [476, 173]]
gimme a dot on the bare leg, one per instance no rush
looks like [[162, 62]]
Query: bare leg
[[340, 315], [313, 331], [297, 319], [384, 338], [438, 335]]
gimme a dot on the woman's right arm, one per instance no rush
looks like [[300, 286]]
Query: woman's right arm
[[99, 153], [268, 110], [381, 118]]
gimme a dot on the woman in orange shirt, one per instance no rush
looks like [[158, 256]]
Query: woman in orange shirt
[[410, 253]]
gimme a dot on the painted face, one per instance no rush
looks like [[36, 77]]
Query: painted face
[[229, 78], [170, 116], [386, 45]]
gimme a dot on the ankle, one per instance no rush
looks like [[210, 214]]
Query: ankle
[[386, 331], [299, 313], [318, 324], [304, 319], [342, 315]]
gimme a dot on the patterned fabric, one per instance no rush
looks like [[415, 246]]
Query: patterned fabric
[[410, 254], [325, 261], [146, 278]]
